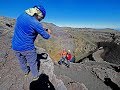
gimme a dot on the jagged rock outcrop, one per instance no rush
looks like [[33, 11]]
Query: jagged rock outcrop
[[12, 78], [47, 67], [84, 76]]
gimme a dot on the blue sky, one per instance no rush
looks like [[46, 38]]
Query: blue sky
[[73, 13]]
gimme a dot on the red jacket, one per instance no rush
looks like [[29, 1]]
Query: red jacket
[[68, 56]]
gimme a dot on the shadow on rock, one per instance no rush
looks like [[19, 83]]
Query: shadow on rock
[[41, 56], [9, 25], [116, 68], [111, 52], [42, 83], [111, 84]]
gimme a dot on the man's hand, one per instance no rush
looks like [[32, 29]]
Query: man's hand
[[49, 31]]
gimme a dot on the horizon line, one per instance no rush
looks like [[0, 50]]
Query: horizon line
[[72, 26]]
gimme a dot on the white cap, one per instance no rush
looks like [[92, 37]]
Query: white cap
[[68, 50]]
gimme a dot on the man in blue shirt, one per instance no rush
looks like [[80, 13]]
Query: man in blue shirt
[[27, 28]]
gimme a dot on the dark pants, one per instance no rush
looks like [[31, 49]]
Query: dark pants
[[29, 57], [63, 60]]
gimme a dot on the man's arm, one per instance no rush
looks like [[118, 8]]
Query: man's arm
[[44, 33]]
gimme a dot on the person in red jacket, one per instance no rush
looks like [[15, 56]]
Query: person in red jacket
[[69, 58], [66, 58]]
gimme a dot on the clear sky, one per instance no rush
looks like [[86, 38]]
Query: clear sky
[[74, 13]]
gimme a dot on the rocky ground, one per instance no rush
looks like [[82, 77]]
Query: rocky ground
[[97, 61], [88, 75]]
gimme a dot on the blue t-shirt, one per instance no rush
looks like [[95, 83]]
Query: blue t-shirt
[[25, 32]]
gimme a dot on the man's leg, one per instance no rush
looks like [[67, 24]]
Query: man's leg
[[22, 61], [31, 57], [68, 63], [61, 60]]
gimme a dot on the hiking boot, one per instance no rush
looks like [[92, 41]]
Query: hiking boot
[[68, 66], [35, 78], [59, 62], [26, 74]]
